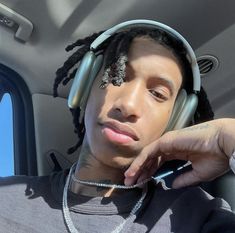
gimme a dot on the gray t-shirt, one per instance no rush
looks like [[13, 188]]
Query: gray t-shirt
[[34, 204]]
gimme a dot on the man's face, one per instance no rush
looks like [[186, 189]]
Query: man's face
[[121, 121]]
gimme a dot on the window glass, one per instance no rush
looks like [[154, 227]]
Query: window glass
[[6, 137]]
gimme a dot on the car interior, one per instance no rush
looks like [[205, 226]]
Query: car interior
[[33, 37]]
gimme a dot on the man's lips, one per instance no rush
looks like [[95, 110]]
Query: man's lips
[[119, 132]]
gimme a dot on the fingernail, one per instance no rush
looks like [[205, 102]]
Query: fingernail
[[129, 173]]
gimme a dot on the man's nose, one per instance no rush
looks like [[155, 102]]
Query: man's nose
[[130, 102]]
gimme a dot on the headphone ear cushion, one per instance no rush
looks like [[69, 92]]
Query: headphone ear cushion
[[93, 73], [178, 106], [187, 112], [80, 80]]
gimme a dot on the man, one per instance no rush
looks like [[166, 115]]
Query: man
[[129, 107]]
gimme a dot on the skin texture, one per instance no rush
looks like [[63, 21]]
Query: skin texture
[[208, 146], [121, 121]]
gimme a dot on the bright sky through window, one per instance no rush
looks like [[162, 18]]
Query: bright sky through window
[[6, 137]]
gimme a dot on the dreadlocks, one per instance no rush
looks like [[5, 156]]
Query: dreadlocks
[[116, 49]]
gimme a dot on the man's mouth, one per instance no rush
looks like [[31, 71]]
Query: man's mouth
[[118, 132]]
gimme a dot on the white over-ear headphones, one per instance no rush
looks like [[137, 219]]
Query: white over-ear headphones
[[185, 105]]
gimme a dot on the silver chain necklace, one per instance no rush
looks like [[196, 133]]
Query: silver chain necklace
[[114, 186], [66, 214]]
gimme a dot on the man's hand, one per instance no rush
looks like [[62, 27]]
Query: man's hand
[[207, 146]]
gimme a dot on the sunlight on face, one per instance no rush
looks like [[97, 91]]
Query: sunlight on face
[[121, 121]]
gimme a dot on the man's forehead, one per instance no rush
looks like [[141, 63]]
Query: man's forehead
[[147, 44], [163, 65]]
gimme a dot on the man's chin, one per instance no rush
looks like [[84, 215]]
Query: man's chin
[[126, 151]]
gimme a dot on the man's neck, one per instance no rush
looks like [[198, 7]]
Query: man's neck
[[89, 168]]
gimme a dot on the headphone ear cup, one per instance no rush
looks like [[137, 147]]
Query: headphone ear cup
[[178, 106], [187, 112], [183, 111], [93, 73], [80, 80]]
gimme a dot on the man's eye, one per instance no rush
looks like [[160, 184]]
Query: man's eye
[[158, 96]]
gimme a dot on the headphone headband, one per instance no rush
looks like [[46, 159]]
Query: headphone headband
[[153, 24]]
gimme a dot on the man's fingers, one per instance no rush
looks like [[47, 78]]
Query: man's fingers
[[139, 168], [186, 179], [162, 147], [174, 142], [143, 177], [136, 166], [130, 180], [176, 156]]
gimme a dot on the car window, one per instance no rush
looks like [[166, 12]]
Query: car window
[[6, 136]]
